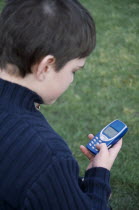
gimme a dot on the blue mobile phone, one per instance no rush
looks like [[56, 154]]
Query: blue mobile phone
[[109, 135]]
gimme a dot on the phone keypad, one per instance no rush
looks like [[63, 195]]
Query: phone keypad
[[93, 142]]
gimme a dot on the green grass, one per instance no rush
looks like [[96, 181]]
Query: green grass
[[107, 89]]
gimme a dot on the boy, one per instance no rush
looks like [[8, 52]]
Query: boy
[[42, 44]]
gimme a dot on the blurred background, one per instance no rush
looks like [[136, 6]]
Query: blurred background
[[105, 90]]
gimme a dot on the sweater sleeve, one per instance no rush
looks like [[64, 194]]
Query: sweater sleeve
[[58, 188]]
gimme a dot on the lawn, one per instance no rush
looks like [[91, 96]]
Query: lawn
[[107, 89]]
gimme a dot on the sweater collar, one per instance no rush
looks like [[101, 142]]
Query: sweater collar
[[14, 95]]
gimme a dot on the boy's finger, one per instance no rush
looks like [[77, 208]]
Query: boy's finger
[[86, 152], [90, 136], [118, 144], [116, 148]]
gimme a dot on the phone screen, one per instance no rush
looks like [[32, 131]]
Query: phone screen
[[111, 132]]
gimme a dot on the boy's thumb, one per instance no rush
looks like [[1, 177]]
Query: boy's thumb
[[101, 147]]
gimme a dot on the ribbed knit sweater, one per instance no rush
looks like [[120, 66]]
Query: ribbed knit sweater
[[37, 169]]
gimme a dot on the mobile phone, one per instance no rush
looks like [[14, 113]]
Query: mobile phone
[[109, 135]]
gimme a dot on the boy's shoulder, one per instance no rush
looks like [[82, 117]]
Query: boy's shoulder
[[28, 147], [31, 128]]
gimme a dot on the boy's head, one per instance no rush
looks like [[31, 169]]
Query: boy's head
[[33, 29]]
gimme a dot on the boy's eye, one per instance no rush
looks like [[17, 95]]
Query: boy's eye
[[74, 71]]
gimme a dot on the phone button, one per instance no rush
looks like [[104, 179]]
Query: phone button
[[104, 138]]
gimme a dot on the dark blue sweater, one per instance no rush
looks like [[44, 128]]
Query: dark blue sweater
[[37, 169]]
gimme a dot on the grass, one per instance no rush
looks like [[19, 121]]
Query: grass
[[107, 89]]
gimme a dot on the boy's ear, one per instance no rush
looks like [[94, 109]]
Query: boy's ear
[[45, 65]]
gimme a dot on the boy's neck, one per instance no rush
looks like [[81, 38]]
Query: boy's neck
[[26, 81], [5, 76]]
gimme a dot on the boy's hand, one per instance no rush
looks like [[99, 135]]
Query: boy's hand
[[105, 158]]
